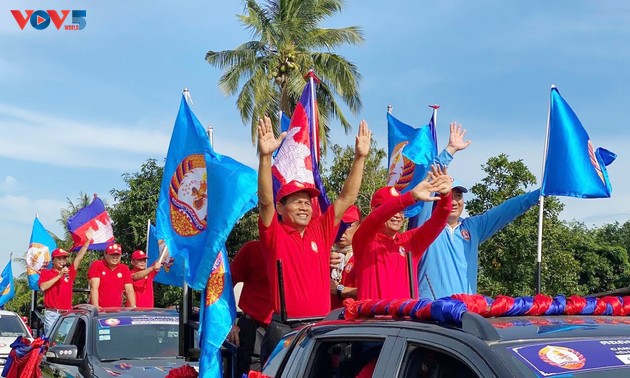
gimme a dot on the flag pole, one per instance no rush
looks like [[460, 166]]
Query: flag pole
[[148, 232], [541, 209]]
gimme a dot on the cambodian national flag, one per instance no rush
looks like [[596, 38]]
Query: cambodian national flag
[[217, 316], [298, 156], [38, 254], [94, 221], [7, 289], [203, 194], [573, 167], [411, 152], [173, 269]]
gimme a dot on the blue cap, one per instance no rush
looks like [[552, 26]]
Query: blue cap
[[458, 185]]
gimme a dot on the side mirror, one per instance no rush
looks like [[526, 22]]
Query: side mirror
[[64, 355]]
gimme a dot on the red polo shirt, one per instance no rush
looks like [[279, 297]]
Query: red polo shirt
[[112, 283], [348, 279], [381, 261], [305, 264], [59, 295], [143, 289], [248, 267]]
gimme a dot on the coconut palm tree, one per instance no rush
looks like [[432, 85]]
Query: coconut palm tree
[[287, 42]]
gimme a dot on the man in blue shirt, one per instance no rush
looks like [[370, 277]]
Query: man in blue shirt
[[449, 266]]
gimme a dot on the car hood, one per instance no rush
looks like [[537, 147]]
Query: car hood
[[140, 368], [5, 344]]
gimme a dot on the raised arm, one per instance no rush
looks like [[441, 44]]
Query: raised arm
[[145, 272], [267, 144], [81, 254], [351, 186]]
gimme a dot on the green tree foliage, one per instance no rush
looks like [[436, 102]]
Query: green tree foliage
[[287, 42], [507, 261], [134, 206], [374, 174]]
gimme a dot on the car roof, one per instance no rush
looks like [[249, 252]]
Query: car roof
[[504, 329], [5, 313], [123, 311]]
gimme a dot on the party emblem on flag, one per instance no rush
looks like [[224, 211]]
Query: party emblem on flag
[[216, 281], [37, 257], [6, 290], [594, 163], [400, 168], [189, 196]]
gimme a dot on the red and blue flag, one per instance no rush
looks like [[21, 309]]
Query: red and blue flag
[[94, 221]]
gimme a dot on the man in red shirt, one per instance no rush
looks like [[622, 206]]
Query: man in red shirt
[[380, 251], [109, 279], [57, 282], [343, 276], [254, 303], [302, 244], [143, 278]]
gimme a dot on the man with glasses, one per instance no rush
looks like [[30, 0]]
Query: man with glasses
[[109, 279]]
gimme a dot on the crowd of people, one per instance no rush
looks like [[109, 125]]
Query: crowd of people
[[339, 254], [110, 281], [305, 265]]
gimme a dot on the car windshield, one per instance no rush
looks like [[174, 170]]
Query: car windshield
[[137, 337], [12, 326]]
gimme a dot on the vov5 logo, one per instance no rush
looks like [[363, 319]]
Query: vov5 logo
[[41, 19]]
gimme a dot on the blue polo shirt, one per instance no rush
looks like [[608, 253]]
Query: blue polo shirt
[[449, 266]]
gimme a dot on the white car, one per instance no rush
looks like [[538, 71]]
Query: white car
[[11, 326]]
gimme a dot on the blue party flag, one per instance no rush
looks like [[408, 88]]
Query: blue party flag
[[217, 316], [411, 151], [573, 167], [38, 255], [203, 194], [7, 289]]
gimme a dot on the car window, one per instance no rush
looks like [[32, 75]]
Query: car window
[[12, 326], [277, 356], [60, 334], [133, 337], [423, 362], [345, 358]]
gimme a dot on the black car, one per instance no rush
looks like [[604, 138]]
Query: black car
[[86, 342], [522, 346]]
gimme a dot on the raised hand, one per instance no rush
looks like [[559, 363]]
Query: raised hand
[[456, 140], [442, 182], [267, 142], [364, 138]]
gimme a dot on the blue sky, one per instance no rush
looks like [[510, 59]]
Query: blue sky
[[80, 108]]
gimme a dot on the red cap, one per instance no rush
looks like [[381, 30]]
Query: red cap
[[351, 215], [139, 255], [113, 249], [296, 186], [59, 253], [382, 195]]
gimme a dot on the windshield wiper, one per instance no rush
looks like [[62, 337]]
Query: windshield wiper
[[124, 358]]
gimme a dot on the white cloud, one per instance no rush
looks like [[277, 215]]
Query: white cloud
[[36, 137], [8, 184]]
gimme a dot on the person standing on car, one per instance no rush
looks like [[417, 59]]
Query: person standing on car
[[109, 279], [57, 283], [301, 243], [142, 277], [449, 265], [254, 302], [380, 250]]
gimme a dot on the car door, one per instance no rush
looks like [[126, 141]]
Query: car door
[[342, 352], [427, 354], [61, 334]]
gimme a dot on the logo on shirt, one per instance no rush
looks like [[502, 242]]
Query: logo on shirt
[[314, 246], [348, 268], [465, 234], [401, 250], [66, 279], [119, 275]]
